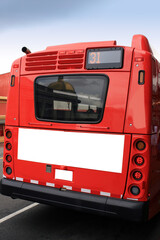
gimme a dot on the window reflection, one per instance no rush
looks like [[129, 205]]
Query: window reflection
[[74, 98]]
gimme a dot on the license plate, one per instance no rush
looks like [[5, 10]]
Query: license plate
[[63, 175]]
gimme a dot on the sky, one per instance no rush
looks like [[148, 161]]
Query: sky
[[37, 24]]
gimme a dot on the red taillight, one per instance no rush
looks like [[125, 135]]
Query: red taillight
[[8, 146], [8, 134], [8, 154], [139, 59], [137, 175], [8, 158], [139, 160]]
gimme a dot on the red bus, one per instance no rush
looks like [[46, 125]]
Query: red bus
[[82, 129]]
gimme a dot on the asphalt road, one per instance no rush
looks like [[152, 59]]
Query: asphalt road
[[46, 222]]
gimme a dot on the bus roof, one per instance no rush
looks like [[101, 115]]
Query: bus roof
[[81, 45], [140, 42]]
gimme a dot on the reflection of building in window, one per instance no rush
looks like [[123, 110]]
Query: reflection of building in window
[[65, 97], [70, 98], [60, 105], [61, 85]]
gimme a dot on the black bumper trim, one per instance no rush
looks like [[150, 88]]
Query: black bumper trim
[[127, 209]]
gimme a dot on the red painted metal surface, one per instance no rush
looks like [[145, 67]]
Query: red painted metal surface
[[140, 42], [138, 111], [51, 61], [131, 109], [4, 89], [114, 114], [4, 84], [94, 180], [13, 97]]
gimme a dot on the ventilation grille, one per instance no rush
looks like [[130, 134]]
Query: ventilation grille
[[52, 60], [41, 61], [71, 60]]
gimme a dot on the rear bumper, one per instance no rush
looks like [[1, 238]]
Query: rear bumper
[[127, 209]]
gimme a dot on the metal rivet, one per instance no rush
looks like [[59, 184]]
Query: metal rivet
[[130, 124], [137, 65]]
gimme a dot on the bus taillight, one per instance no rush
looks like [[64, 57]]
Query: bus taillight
[[135, 190], [140, 145], [8, 170], [8, 146], [137, 175], [8, 158], [139, 160], [8, 134], [8, 154], [137, 181]]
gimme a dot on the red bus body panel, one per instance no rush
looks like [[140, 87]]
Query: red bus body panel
[[114, 114], [96, 181], [4, 89]]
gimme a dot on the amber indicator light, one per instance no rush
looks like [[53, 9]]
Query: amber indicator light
[[139, 160], [137, 175], [141, 77], [8, 158], [8, 134], [140, 145], [8, 146], [12, 80]]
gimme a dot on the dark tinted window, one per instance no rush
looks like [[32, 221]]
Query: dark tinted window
[[70, 98]]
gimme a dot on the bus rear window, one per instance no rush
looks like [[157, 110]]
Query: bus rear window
[[70, 98]]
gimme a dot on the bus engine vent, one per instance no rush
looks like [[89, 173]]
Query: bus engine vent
[[41, 61], [71, 59]]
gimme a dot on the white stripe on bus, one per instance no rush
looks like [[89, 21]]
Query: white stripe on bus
[[85, 190], [134, 199], [67, 187], [50, 184], [19, 179], [107, 194], [34, 181]]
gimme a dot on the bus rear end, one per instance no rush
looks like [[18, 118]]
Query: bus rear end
[[78, 129]]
